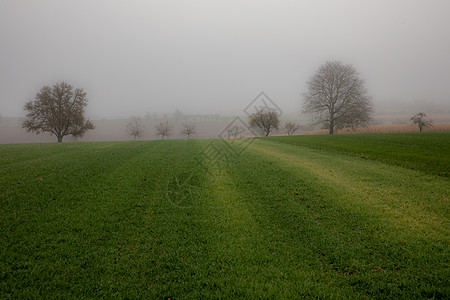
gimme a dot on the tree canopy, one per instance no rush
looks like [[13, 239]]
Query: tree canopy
[[163, 129], [421, 120], [189, 129], [337, 98], [135, 127], [58, 110], [264, 119], [291, 127]]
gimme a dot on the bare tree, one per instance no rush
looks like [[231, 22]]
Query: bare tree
[[291, 127], [264, 119], [235, 131], [135, 127], [337, 97], [163, 129], [58, 110], [421, 120], [189, 129]]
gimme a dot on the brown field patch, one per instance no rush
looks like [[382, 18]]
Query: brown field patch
[[396, 128]]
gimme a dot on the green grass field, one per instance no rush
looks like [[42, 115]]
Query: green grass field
[[290, 217]]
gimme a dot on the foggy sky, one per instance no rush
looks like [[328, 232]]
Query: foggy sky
[[206, 56]]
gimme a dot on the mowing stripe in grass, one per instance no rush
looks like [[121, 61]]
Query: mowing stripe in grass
[[59, 181], [359, 233], [149, 221], [426, 152], [177, 263], [94, 244], [249, 249], [401, 195], [229, 253]]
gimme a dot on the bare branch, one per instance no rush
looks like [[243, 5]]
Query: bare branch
[[422, 121], [189, 129], [337, 97], [163, 129], [264, 119], [135, 127], [58, 110], [291, 127]]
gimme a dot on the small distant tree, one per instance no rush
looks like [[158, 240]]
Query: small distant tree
[[135, 127], [58, 110], [189, 129], [421, 120], [163, 129], [291, 127], [264, 119], [235, 131]]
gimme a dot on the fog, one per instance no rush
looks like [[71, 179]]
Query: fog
[[214, 57]]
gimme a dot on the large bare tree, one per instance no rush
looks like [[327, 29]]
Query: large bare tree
[[135, 127], [163, 129], [265, 120], [58, 110], [337, 97]]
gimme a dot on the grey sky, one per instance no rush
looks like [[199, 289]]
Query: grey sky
[[216, 56]]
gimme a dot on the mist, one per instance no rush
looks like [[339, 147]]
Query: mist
[[214, 57]]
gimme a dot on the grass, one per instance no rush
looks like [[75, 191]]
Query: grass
[[427, 152], [282, 220]]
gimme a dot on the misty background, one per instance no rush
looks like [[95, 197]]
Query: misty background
[[214, 57]]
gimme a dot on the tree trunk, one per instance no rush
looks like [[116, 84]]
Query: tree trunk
[[332, 113], [60, 139], [332, 123]]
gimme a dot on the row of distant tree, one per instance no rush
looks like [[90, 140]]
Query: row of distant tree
[[263, 120], [136, 128], [336, 98]]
